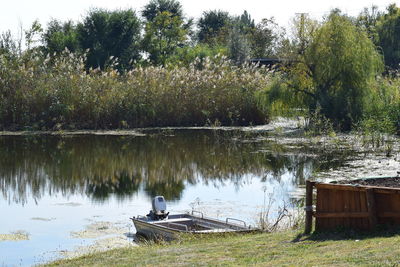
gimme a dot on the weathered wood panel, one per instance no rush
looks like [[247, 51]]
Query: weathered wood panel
[[356, 207], [340, 207]]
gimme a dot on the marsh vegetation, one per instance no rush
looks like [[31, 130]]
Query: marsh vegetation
[[117, 69]]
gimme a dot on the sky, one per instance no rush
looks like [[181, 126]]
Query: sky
[[17, 13]]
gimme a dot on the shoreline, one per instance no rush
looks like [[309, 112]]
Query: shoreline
[[285, 124]]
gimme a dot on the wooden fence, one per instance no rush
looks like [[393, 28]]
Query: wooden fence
[[350, 206]]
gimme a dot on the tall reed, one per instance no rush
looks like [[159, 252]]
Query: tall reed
[[38, 92]]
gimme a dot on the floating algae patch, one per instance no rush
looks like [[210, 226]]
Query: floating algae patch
[[99, 229], [108, 236], [42, 219], [368, 166], [15, 236]]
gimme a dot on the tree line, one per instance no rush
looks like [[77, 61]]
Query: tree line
[[161, 34], [158, 34]]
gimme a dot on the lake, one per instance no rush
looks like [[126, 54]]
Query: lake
[[55, 186]]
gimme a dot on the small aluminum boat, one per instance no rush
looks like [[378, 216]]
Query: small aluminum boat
[[159, 224]]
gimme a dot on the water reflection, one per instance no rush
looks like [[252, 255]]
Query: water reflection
[[159, 163]]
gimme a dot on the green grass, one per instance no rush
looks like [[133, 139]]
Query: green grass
[[262, 249]]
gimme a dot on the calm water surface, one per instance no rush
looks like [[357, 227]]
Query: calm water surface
[[51, 186]]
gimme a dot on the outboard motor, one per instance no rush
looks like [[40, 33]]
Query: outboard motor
[[159, 208]]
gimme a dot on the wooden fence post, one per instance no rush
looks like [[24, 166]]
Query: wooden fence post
[[371, 208], [308, 208]]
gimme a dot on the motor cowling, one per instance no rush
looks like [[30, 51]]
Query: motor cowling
[[159, 208]]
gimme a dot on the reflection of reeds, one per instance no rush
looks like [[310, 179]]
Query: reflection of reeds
[[39, 93], [99, 166]]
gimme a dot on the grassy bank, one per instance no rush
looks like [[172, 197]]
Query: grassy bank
[[276, 249], [39, 93]]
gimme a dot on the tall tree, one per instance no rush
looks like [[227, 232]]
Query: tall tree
[[32, 35], [336, 69], [214, 27], [107, 34], [264, 38], [388, 31], [245, 23], [367, 20], [155, 7], [8, 46], [166, 30], [238, 46], [60, 36], [303, 31], [163, 36]]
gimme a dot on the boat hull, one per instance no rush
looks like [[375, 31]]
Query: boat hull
[[175, 225], [152, 231]]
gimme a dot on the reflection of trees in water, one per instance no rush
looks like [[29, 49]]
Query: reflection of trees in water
[[102, 165], [124, 185]]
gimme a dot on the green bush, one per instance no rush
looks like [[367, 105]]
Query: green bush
[[383, 106]]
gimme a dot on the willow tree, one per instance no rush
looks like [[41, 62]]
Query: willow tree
[[336, 70]]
